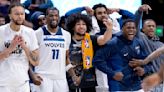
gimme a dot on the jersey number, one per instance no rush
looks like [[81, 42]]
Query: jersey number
[[55, 53]]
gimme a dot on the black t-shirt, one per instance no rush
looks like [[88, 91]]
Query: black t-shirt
[[75, 54]]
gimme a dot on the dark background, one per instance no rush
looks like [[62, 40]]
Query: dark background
[[157, 12]]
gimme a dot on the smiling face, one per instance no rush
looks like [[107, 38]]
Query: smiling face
[[129, 30], [80, 28], [149, 28], [52, 18]]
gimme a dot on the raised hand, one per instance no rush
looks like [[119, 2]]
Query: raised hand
[[112, 10], [108, 23], [89, 10], [145, 8]]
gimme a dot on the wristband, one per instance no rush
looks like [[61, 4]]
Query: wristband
[[69, 66]]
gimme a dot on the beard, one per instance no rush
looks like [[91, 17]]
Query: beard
[[53, 24], [17, 22]]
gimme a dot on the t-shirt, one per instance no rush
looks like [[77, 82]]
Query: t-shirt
[[14, 69]]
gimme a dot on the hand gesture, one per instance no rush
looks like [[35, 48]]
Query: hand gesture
[[112, 10], [145, 8], [22, 42], [14, 43], [118, 76], [76, 80], [139, 71], [108, 23], [89, 10], [136, 62]]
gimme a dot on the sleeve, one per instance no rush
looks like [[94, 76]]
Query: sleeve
[[138, 21], [39, 34], [100, 60], [94, 40], [73, 11], [125, 15], [34, 42], [46, 5]]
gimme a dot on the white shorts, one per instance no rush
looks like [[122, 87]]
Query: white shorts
[[49, 85], [23, 88]]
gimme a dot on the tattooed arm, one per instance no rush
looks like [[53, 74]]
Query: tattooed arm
[[152, 56], [31, 55]]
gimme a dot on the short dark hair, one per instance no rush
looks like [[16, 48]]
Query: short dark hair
[[126, 21], [51, 8], [73, 19], [98, 6], [14, 5], [146, 21]]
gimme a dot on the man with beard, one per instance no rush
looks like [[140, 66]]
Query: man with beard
[[18, 49], [114, 57], [82, 49], [53, 57]]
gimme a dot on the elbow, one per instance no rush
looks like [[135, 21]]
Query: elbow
[[103, 42]]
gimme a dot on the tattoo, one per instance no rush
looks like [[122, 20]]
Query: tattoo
[[34, 58]]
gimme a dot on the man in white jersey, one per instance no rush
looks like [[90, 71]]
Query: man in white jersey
[[18, 49], [53, 57]]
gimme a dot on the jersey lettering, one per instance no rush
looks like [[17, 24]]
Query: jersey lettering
[[55, 54]]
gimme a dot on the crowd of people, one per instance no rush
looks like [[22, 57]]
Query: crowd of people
[[42, 51]]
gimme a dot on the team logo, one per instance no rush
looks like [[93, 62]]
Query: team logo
[[126, 54], [86, 43], [88, 60], [137, 48]]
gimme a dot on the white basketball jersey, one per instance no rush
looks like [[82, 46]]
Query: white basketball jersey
[[52, 55], [14, 69]]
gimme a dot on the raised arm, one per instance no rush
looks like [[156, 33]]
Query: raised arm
[[102, 39]]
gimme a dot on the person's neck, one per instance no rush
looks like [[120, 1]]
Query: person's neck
[[15, 27], [78, 38], [52, 30]]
